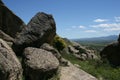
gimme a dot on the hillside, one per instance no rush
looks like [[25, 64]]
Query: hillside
[[109, 38], [35, 51], [97, 43]]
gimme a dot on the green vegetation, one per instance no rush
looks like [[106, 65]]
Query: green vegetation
[[23, 78], [56, 76], [98, 46], [96, 68], [59, 43]]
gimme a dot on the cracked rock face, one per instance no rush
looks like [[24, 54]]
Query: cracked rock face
[[39, 64], [41, 29], [10, 67]]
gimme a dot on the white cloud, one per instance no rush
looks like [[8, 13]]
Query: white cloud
[[79, 27], [112, 29], [100, 26], [100, 20], [82, 27], [90, 31], [117, 19], [106, 25]]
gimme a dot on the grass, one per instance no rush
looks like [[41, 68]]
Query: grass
[[96, 68], [98, 46]]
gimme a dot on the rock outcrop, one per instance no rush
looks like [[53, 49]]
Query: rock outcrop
[[111, 53], [10, 67], [84, 53], [72, 50], [39, 64], [78, 50], [41, 29], [9, 22]]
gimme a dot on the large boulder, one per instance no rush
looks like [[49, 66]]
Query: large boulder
[[111, 54], [9, 22], [10, 67], [41, 29], [49, 48], [55, 52], [39, 64]]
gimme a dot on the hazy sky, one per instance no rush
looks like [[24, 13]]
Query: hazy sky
[[74, 18]]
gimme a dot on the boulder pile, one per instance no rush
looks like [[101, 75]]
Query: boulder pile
[[17, 38], [26, 52], [79, 51]]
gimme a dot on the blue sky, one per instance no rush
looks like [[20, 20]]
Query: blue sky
[[74, 18]]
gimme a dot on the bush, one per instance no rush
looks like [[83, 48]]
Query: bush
[[59, 43]]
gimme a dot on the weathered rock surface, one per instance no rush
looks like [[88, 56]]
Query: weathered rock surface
[[77, 46], [5, 37], [41, 29], [73, 50], [78, 50], [10, 67], [39, 64], [49, 48], [55, 52], [71, 72], [9, 22], [84, 52]]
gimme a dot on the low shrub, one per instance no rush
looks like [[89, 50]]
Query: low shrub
[[59, 43]]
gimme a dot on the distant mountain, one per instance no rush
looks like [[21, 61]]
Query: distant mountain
[[99, 39]]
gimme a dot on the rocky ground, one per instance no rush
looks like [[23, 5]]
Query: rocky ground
[[72, 72], [26, 51]]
